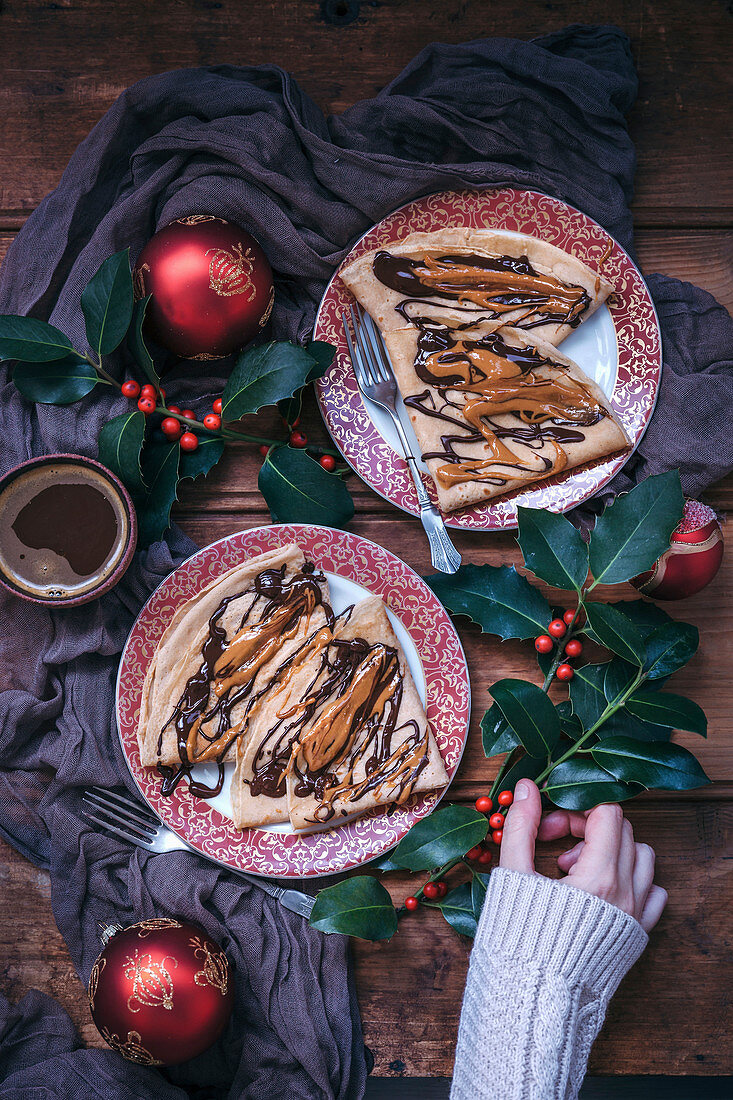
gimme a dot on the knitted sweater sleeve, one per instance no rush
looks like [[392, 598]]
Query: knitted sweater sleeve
[[545, 963]]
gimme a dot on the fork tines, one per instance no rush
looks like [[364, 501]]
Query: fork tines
[[118, 810]]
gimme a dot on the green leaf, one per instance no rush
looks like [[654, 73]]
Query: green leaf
[[120, 442], [618, 679], [617, 633], [107, 301], [290, 407], [298, 490], [570, 724], [496, 598], [444, 835], [646, 617], [194, 463], [521, 766], [160, 471], [263, 376], [497, 734], [586, 693], [664, 767], [622, 723], [552, 547], [581, 785], [457, 908], [669, 648], [479, 886], [530, 713], [665, 709], [357, 906], [633, 531], [31, 340], [60, 382], [136, 342]]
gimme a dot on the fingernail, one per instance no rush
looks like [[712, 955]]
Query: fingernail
[[521, 790]]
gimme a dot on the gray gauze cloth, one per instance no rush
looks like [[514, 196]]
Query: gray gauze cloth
[[248, 145]]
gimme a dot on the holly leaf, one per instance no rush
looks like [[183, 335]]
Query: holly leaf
[[358, 906], [521, 766], [661, 766], [120, 443], [444, 835], [552, 547], [669, 648], [646, 617], [616, 632], [107, 302], [666, 709], [136, 342], [479, 886], [60, 382], [496, 598], [31, 340], [458, 909], [290, 407], [622, 723], [298, 490], [265, 375], [582, 784], [570, 724], [635, 529], [497, 735], [160, 471], [586, 693], [530, 714], [618, 678], [193, 464]]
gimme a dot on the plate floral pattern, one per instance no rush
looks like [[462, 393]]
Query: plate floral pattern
[[631, 309], [287, 855]]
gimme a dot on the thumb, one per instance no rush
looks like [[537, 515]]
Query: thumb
[[520, 828]]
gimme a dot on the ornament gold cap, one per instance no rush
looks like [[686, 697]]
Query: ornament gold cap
[[107, 931]]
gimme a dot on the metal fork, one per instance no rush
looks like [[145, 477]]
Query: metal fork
[[127, 819], [376, 381]]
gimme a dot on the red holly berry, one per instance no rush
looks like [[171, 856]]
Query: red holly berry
[[564, 672], [188, 414], [484, 804], [430, 890], [263, 449], [474, 853], [148, 391], [442, 889], [146, 405], [505, 798], [328, 462], [557, 628], [497, 835], [217, 406], [485, 857], [574, 648], [568, 617], [189, 442], [298, 439], [130, 388], [174, 409], [212, 422], [411, 903], [496, 821], [170, 428], [544, 643]]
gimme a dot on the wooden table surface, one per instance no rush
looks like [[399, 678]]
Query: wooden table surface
[[63, 64]]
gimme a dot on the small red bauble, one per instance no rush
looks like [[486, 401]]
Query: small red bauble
[[217, 406], [146, 405], [693, 558], [505, 798], [497, 836], [557, 628], [496, 821], [574, 648], [171, 427], [564, 672], [298, 439], [430, 890], [411, 903], [160, 991], [544, 643], [328, 462], [211, 285], [130, 388], [212, 422], [484, 804], [189, 442]]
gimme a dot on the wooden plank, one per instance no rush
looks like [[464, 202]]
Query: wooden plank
[[52, 91], [593, 1088]]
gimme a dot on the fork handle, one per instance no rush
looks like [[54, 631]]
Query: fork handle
[[443, 554]]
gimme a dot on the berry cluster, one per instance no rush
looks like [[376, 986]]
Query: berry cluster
[[557, 630], [481, 854]]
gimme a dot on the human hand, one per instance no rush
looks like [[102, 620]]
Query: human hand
[[606, 861]]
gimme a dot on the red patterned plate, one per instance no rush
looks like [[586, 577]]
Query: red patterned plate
[[619, 347], [355, 567]]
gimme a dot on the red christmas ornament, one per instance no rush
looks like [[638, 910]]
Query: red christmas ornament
[[160, 991], [692, 560], [211, 285]]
